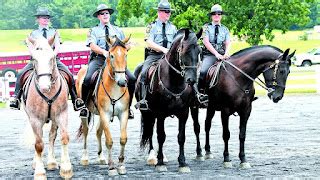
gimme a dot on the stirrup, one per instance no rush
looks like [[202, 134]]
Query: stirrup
[[84, 113], [78, 104], [142, 105], [15, 104], [203, 99]]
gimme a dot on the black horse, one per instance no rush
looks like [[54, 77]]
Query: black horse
[[229, 85], [170, 91]]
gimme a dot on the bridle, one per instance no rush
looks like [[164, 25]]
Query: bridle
[[275, 67]]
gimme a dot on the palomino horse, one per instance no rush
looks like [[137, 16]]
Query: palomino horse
[[111, 99], [45, 99], [170, 93], [229, 85]]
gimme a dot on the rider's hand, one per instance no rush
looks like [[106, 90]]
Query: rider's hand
[[219, 56], [105, 53], [226, 56], [165, 50]]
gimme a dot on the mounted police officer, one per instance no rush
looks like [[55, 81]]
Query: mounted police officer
[[216, 39], [43, 18], [159, 37], [99, 51]]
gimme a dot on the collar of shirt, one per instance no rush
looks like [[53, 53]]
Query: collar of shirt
[[41, 27], [160, 22], [213, 24], [103, 25]]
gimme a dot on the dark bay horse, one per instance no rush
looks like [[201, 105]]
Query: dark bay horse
[[111, 99], [170, 93], [232, 91]]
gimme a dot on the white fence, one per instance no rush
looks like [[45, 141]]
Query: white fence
[[6, 88]]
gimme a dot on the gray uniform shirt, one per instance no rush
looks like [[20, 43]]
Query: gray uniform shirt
[[50, 33], [223, 36], [97, 35], [154, 32]]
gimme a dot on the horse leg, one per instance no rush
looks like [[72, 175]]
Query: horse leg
[[208, 121], [65, 166], [52, 163], [152, 158], [161, 136], [183, 166], [244, 116], [101, 159], [39, 171], [226, 136], [123, 140], [85, 129], [196, 129]]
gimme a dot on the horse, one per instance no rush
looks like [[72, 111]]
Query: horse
[[170, 92], [229, 85], [45, 97], [110, 99]]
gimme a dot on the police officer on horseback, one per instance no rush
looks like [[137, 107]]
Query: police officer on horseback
[[159, 37], [216, 39], [43, 18], [99, 51]]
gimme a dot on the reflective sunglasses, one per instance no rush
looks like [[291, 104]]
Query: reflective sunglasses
[[103, 13], [166, 11], [218, 14], [44, 17]]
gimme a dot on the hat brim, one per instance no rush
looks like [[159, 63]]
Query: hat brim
[[111, 11], [164, 9], [37, 15], [222, 12]]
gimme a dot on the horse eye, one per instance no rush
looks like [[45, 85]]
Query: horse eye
[[112, 57]]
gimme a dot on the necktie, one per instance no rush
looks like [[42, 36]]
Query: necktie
[[165, 40], [107, 34], [44, 33], [216, 32]]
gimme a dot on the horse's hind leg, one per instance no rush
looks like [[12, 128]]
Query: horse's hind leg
[[196, 129], [244, 116], [226, 137], [161, 136], [123, 141], [39, 172], [208, 121], [101, 159], [52, 163], [85, 129], [183, 166], [65, 165]]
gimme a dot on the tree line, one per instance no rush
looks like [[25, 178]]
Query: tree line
[[246, 19]]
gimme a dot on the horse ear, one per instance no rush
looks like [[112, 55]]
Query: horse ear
[[285, 54], [30, 43], [186, 34], [199, 33], [292, 54], [110, 40], [126, 39], [51, 40]]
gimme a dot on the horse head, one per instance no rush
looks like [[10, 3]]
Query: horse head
[[276, 75], [117, 59], [187, 54], [43, 60]]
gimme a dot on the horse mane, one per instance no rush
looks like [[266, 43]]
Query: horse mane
[[246, 50]]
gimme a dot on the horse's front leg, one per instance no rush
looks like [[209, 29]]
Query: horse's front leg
[[52, 163], [244, 116], [65, 166], [85, 129], [208, 121], [123, 140], [104, 123], [183, 166], [161, 136], [226, 136], [196, 129], [39, 171], [101, 159]]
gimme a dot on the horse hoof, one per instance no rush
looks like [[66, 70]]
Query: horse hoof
[[199, 158], [66, 174], [112, 172], [122, 170], [245, 165], [161, 168], [152, 161], [41, 176], [185, 169], [165, 159], [84, 162], [208, 156], [102, 161], [227, 164], [52, 166]]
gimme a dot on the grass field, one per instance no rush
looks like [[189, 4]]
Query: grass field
[[12, 41]]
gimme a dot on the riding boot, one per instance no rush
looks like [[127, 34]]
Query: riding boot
[[15, 103], [77, 102], [84, 113], [200, 94], [131, 91], [143, 103]]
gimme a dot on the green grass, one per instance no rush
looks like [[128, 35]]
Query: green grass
[[2, 105]]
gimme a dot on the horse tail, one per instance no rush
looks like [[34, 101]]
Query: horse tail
[[147, 125]]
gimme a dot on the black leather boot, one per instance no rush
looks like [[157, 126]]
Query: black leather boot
[[131, 88], [15, 103], [77, 102], [143, 103], [84, 113]]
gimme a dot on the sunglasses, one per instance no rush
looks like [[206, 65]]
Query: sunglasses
[[103, 13], [218, 14], [44, 17], [166, 11]]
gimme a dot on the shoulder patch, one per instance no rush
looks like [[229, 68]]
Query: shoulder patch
[[148, 29], [89, 33]]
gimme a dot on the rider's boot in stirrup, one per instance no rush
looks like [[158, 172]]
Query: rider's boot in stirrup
[[84, 113], [15, 103], [78, 103], [143, 103]]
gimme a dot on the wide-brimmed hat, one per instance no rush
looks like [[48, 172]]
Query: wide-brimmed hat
[[42, 11], [216, 9], [101, 7], [164, 5]]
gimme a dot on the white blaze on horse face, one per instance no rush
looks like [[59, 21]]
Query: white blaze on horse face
[[43, 65], [120, 78]]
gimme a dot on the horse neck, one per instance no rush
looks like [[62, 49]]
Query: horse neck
[[173, 59]]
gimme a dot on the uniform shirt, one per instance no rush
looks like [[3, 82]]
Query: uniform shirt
[[223, 35], [97, 34], [50, 33], [154, 32]]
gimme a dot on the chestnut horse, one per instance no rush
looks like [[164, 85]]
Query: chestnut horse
[[229, 85], [45, 99], [111, 99]]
